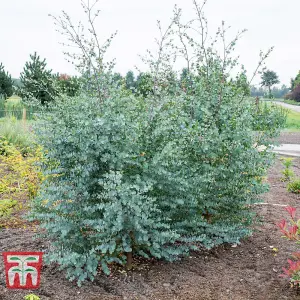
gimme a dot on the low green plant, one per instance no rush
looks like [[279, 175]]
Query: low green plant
[[19, 180], [6, 206], [294, 186], [32, 297], [287, 173]]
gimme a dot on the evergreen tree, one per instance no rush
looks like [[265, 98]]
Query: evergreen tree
[[37, 81], [6, 83]]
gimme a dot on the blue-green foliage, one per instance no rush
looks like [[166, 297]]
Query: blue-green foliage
[[155, 173], [152, 178]]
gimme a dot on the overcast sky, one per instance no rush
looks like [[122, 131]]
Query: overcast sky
[[25, 27]]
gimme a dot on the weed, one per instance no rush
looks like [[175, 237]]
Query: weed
[[19, 179], [287, 173], [6, 207], [294, 186], [32, 297]]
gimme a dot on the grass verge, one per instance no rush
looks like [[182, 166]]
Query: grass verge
[[292, 102], [293, 121]]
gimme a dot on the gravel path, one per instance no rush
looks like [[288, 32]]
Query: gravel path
[[289, 106]]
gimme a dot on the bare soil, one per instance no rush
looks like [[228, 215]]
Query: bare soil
[[289, 138], [247, 271]]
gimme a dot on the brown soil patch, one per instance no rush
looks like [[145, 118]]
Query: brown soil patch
[[248, 271], [289, 138]]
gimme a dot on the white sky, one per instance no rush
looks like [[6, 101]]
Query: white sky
[[25, 27]]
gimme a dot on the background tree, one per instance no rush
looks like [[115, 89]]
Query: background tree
[[130, 80], [68, 85], [6, 83], [257, 91], [269, 78], [295, 82], [117, 79], [37, 81], [241, 84], [276, 92], [144, 84], [294, 95], [186, 80], [295, 89], [280, 92]]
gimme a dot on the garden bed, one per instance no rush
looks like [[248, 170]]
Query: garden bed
[[247, 271]]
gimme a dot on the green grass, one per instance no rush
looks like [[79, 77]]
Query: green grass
[[261, 99], [293, 121], [16, 133]]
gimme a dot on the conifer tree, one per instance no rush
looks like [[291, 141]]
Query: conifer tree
[[6, 83], [37, 81]]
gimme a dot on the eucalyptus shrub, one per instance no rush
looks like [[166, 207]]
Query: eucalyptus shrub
[[157, 175]]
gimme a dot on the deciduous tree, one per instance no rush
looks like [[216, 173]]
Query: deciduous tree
[[269, 78]]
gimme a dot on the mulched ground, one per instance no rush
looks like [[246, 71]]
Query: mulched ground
[[289, 138], [248, 271]]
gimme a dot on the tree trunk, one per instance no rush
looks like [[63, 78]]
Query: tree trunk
[[129, 260]]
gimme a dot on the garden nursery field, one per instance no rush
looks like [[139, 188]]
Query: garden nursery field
[[159, 184]]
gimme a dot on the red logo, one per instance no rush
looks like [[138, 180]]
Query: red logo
[[23, 269]]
